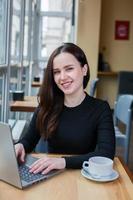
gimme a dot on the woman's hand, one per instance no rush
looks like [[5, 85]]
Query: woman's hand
[[20, 152], [46, 164]]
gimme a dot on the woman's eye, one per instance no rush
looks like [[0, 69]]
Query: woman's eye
[[69, 69], [56, 72]]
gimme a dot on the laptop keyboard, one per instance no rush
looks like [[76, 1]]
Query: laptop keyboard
[[28, 176]]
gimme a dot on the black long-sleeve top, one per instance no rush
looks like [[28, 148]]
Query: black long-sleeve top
[[83, 131]]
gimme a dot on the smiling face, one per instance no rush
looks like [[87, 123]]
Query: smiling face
[[68, 73]]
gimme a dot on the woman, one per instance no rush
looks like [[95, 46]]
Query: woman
[[69, 119]]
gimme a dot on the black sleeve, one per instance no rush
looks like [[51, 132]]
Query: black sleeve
[[32, 135], [105, 139]]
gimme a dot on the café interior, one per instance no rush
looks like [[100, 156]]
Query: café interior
[[31, 29]]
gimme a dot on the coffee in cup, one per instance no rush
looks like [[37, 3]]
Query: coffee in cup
[[98, 166]]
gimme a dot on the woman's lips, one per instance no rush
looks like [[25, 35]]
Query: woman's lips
[[66, 85]]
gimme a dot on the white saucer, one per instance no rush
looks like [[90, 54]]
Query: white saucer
[[112, 177]]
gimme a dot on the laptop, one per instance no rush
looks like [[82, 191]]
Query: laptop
[[10, 170]]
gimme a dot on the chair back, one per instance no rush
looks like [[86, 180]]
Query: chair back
[[123, 113], [123, 108], [93, 86], [42, 146]]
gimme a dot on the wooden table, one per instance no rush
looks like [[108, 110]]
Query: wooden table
[[71, 185], [36, 84], [28, 105]]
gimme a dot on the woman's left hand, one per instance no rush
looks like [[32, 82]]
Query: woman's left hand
[[46, 164]]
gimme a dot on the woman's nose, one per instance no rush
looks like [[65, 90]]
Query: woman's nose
[[62, 75]]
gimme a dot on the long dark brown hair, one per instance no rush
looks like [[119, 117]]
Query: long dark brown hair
[[50, 96]]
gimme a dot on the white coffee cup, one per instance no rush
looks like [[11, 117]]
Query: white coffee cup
[[98, 166]]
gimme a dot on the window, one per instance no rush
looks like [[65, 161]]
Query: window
[[55, 25], [3, 32], [15, 41]]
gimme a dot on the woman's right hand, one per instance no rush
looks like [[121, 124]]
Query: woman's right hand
[[20, 152]]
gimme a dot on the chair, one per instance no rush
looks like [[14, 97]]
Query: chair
[[42, 146], [125, 82], [123, 115], [93, 86]]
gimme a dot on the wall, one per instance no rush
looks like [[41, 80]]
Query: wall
[[118, 53], [88, 31]]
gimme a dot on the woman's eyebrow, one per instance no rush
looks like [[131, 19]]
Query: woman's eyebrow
[[66, 66]]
